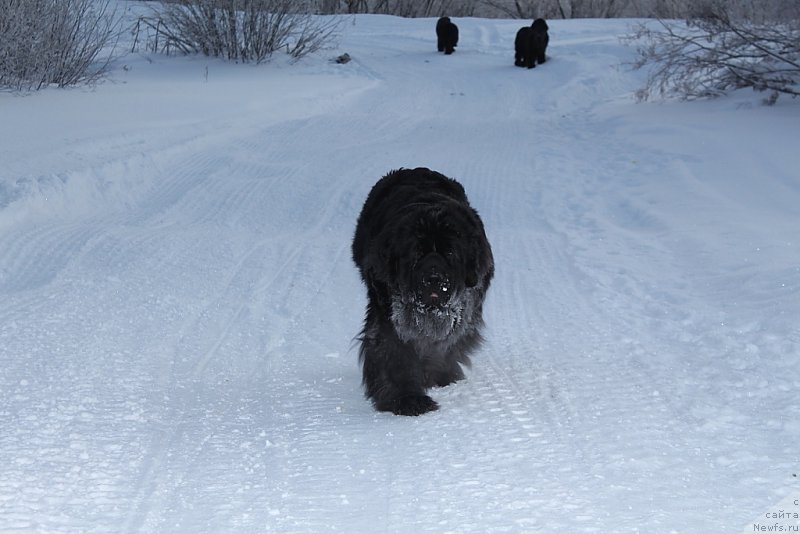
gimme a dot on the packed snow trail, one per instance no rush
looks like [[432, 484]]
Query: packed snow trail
[[179, 305]]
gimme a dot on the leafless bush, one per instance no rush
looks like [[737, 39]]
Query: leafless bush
[[526, 9], [55, 42], [424, 8], [402, 8], [239, 30], [562, 9], [754, 10], [714, 52]]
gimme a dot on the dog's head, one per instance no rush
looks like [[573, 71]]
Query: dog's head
[[539, 26], [439, 258]]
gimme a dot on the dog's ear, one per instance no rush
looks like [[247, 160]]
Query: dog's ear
[[388, 263], [479, 265]]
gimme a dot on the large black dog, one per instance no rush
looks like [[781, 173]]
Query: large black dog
[[424, 257], [446, 35], [530, 44]]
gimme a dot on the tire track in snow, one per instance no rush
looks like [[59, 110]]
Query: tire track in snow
[[278, 269], [236, 297], [593, 351], [147, 483], [35, 257], [290, 285]]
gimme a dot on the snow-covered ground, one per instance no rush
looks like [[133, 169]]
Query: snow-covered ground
[[178, 305]]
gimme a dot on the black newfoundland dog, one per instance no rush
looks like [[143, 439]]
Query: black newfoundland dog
[[530, 44], [446, 35], [424, 257]]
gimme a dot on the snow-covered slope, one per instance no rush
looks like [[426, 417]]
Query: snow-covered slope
[[178, 305]]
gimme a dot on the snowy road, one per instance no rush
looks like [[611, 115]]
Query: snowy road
[[178, 304]]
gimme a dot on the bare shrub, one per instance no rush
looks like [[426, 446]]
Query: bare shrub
[[55, 42], [424, 8], [527, 9], [561, 9], [402, 8], [239, 30], [716, 51]]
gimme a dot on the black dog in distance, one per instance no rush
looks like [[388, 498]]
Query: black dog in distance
[[530, 44], [424, 258], [446, 35]]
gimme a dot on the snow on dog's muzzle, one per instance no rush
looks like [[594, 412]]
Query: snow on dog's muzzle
[[431, 281]]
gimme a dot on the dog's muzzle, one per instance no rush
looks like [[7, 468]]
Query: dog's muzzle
[[431, 281]]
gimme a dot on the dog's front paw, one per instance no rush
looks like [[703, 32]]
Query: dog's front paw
[[409, 405]]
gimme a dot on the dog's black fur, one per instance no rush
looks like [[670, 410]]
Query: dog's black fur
[[530, 44], [446, 35], [423, 255]]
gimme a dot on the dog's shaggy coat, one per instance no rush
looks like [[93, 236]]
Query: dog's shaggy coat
[[423, 255], [530, 44], [446, 35]]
